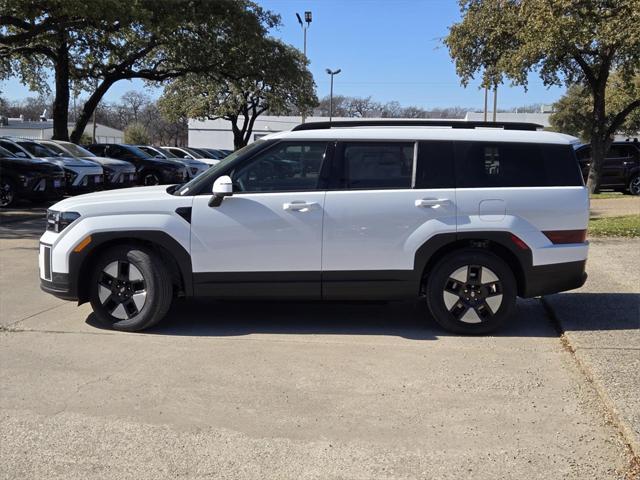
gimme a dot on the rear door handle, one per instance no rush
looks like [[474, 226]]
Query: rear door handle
[[298, 206], [432, 202]]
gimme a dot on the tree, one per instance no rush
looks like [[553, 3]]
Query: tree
[[281, 83], [572, 113], [136, 134], [564, 41], [100, 42], [134, 101]]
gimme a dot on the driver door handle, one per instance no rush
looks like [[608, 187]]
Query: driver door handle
[[432, 202], [298, 206]]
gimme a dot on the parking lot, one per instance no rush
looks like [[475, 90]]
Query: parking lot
[[277, 390]]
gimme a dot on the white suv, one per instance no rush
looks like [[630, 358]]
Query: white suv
[[465, 216]]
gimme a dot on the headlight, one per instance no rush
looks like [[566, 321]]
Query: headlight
[[58, 221]]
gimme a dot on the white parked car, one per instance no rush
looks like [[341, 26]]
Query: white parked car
[[187, 153], [467, 218]]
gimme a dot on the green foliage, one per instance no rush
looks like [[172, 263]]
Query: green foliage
[[136, 134], [564, 42], [573, 111], [100, 42], [276, 80], [626, 226]]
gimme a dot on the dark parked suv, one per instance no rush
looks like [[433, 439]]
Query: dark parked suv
[[28, 178], [620, 169], [150, 170]]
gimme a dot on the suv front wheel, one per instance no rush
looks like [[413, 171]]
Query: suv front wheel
[[634, 185], [471, 291], [131, 288]]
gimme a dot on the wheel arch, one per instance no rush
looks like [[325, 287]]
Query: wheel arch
[[498, 243], [174, 256]]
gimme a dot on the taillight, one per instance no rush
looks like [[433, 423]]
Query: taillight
[[566, 236], [519, 242]]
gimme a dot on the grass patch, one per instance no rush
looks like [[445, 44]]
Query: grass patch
[[607, 195], [627, 226]]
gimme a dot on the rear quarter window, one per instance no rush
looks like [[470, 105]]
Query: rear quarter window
[[485, 164]]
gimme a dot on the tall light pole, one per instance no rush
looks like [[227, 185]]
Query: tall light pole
[[307, 20], [332, 73]]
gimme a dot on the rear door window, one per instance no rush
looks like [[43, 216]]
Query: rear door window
[[376, 165], [485, 164], [435, 167]]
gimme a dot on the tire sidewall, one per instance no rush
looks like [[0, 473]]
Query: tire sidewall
[[633, 179], [9, 183], [442, 271], [151, 271]]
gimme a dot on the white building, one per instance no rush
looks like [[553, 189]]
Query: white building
[[43, 130]]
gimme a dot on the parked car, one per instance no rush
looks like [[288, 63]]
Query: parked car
[[210, 152], [194, 167], [117, 174], [620, 169], [81, 176], [184, 152], [150, 170], [29, 179], [374, 211]]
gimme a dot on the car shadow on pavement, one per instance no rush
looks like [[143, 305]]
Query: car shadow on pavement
[[596, 311], [410, 320]]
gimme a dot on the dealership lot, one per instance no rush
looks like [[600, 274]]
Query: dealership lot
[[271, 390]]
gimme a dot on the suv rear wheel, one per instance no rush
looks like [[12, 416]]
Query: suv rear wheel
[[471, 291], [634, 185], [131, 288]]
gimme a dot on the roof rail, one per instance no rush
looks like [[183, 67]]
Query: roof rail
[[416, 123]]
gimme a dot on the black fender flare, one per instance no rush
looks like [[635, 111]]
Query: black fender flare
[[80, 262]]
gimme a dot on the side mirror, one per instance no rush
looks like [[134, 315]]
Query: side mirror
[[222, 187]]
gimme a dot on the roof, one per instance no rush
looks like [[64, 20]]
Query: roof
[[427, 133]]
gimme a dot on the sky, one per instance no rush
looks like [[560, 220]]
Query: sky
[[386, 49]]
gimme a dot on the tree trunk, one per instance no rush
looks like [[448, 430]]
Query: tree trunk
[[88, 108], [599, 141], [61, 100]]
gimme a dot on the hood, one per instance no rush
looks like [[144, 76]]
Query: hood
[[110, 162], [70, 162], [147, 200], [30, 165]]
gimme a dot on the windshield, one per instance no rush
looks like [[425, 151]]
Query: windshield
[[192, 152], [213, 171], [36, 150], [137, 151], [57, 149], [78, 151], [6, 153], [166, 152]]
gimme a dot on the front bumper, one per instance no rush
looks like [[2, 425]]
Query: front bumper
[[57, 284], [121, 180], [86, 184]]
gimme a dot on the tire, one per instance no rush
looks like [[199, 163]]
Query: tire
[[7, 193], [471, 292], [131, 288], [151, 178], [634, 185]]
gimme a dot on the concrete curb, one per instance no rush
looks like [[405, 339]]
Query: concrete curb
[[619, 421]]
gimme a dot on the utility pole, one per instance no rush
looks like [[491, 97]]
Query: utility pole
[[495, 102], [486, 95], [332, 73], [307, 20]]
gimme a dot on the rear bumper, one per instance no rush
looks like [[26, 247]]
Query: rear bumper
[[554, 278]]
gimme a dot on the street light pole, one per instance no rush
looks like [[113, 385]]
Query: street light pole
[[307, 20], [332, 73]]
